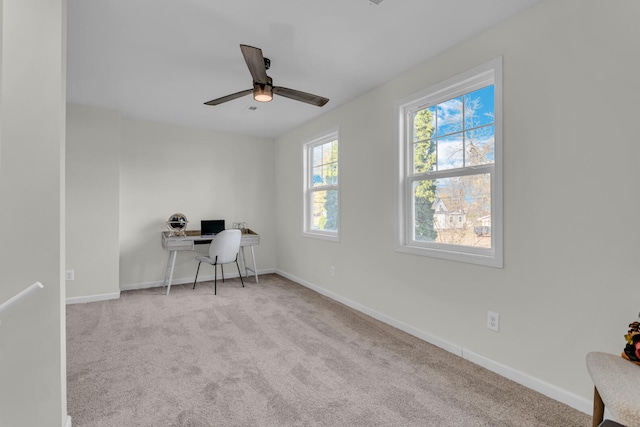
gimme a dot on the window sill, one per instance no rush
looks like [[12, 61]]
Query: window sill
[[321, 236], [488, 260]]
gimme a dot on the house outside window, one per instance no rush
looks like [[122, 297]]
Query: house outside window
[[450, 161], [321, 187]]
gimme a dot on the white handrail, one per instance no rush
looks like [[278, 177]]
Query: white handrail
[[19, 296]]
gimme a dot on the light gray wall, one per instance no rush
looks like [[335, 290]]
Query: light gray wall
[[570, 282], [32, 125], [93, 194], [201, 173]]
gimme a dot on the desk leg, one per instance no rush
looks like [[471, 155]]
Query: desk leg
[[253, 258], [244, 261], [598, 408], [166, 270], [168, 273]]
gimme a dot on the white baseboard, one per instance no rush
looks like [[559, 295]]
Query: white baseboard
[[457, 350], [68, 424], [183, 280], [519, 377], [92, 298], [549, 390]]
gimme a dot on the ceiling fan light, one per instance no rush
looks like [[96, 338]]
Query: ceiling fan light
[[262, 92]]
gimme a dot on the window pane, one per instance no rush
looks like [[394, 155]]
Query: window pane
[[450, 116], [325, 210], [331, 175], [424, 156], [325, 175], [450, 152], [453, 210], [334, 152], [325, 164], [317, 178], [317, 155], [480, 146], [326, 152], [423, 198], [478, 108], [424, 124]]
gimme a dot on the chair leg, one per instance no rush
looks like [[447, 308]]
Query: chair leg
[[194, 280], [215, 280], [598, 408], [222, 271], [239, 274]]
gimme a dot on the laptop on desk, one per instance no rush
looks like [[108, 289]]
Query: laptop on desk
[[211, 227]]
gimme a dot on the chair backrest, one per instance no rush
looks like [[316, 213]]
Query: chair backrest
[[225, 246]]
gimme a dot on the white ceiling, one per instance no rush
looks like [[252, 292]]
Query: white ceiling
[[162, 59]]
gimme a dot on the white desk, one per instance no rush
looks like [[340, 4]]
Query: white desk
[[187, 243]]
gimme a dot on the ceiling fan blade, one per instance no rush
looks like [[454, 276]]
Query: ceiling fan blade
[[231, 97], [255, 61], [300, 96]]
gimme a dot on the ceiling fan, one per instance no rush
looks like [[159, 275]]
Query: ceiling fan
[[263, 88]]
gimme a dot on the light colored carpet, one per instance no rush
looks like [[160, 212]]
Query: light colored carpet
[[274, 354]]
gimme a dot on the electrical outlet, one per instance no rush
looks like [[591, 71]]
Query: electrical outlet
[[70, 275], [332, 271], [493, 321]]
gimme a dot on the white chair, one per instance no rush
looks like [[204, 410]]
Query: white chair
[[223, 250]]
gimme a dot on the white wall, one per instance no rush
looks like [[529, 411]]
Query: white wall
[[570, 283], [93, 194], [32, 118], [201, 173]]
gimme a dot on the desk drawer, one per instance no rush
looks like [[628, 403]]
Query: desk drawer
[[177, 244], [250, 240]]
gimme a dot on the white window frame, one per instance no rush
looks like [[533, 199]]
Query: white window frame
[[481, 76], [308, 231]]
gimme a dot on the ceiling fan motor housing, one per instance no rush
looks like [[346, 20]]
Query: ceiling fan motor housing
[[263, 92]]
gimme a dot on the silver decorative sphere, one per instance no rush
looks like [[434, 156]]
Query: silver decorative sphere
[[177, 224]]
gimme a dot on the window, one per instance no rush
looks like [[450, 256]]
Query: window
[[322, 194], [450, 159]]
